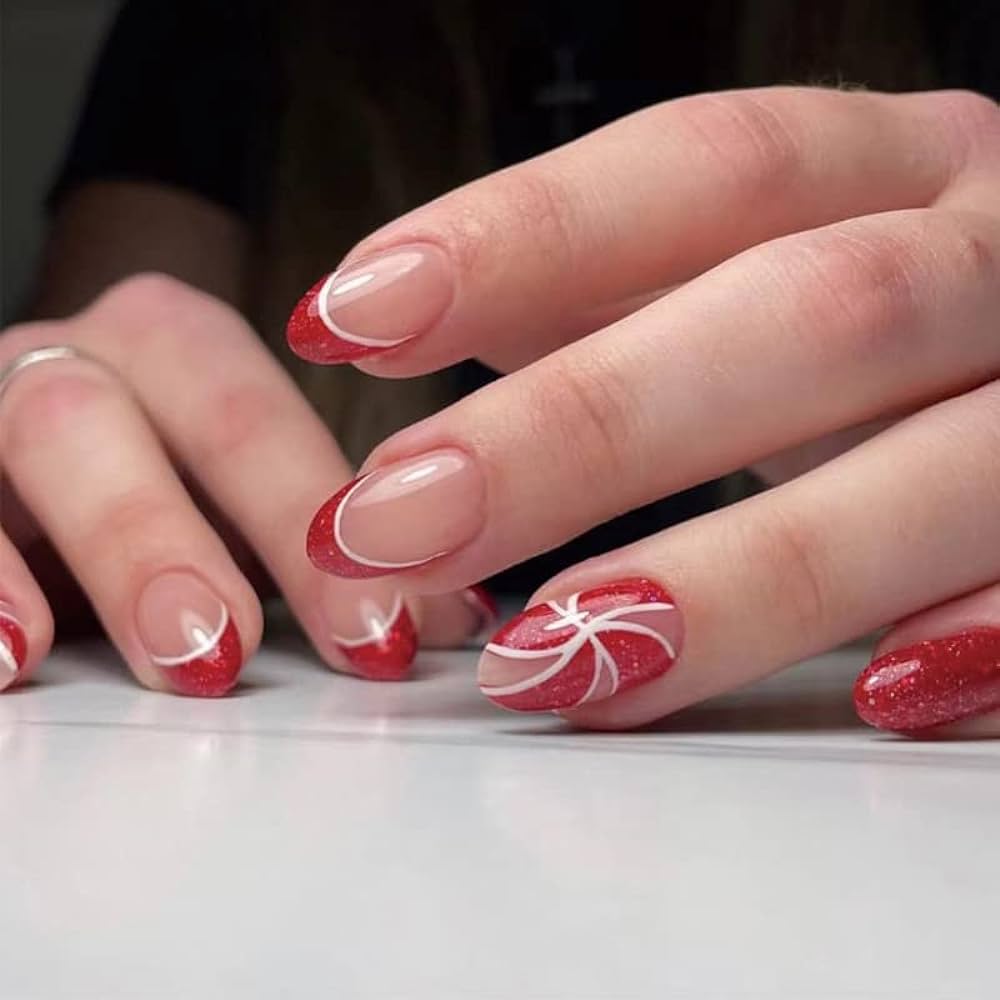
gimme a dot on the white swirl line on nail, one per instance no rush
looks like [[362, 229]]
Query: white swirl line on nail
[[203, 648], [587, 630], [378, 630], [361, 560], [323, 308]]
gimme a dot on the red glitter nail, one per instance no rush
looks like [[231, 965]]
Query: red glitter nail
[[387, 650], [932, 683], [560, 654]]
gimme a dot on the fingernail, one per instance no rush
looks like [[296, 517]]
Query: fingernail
[[932, 683], [399, 517], [594, 644], [482, 602], [189, 635], [13, 646], [372, 305], [374, 634]]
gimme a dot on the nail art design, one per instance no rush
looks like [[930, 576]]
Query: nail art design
[[597, 643], [480, 600], [13, 648], [329, 552], [386, 651], [932, 683], [189, 635], [356, 311], [212, 667], [400, 516]]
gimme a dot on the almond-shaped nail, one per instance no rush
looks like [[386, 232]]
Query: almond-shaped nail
[[399, 517], [13, 647], [375, 635], [562, 654], [372, 305], [932, 683], [189, 635]]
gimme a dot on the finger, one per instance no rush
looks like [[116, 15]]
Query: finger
[[938, 672], [511, 266], [25, 619], [463, 619], [789, 342], [904, 521], [86, 463], [248, 436]]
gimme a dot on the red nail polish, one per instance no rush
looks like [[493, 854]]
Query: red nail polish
[[932, 683], [372, 305], [389, 646], [189, 635], [484, 604], [13, 648], [561, 654], [399, 517]]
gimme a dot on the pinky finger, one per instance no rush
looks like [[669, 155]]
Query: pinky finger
[[25, 619], [938, 672]]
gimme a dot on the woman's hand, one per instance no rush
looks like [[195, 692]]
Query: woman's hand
[[93, 448], [774, 276]]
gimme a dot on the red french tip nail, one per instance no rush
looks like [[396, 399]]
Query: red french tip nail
[[13, 649], [561, 654], [387, 652], [313, 336], [932, 683], [324, 544], [206, 673]]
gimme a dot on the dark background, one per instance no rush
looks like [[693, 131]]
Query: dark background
[[46, 51]]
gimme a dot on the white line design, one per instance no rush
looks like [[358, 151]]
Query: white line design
[[351, 554], [323, 308], [587, 630], [7, 660], [379, 630], [207, 644]]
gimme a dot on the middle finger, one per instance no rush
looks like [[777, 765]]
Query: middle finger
[[785, 343]]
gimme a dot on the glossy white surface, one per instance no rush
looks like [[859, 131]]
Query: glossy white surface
[[317, 836]]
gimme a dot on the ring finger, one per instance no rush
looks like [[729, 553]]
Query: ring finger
[[85, 461], [739, 593]]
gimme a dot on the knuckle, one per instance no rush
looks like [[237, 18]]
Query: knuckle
[[752, 144], [789, 570], [150, 309], [528, 200], [582, 408], [49, 401], [145, 296], [234, 418], [975, 116], [856, 284]]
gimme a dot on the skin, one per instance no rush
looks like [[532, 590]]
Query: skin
[[835, 265], [95, 505]]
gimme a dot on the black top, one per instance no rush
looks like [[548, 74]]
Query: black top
[[185, 95]]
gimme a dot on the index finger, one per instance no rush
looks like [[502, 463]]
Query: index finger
[[511, 266]]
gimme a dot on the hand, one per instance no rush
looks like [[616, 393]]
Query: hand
[[779, 272], [93, 450]]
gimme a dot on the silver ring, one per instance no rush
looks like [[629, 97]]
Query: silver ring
[[58, 352]]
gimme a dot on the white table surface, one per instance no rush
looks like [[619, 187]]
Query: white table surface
[[318, 836]]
